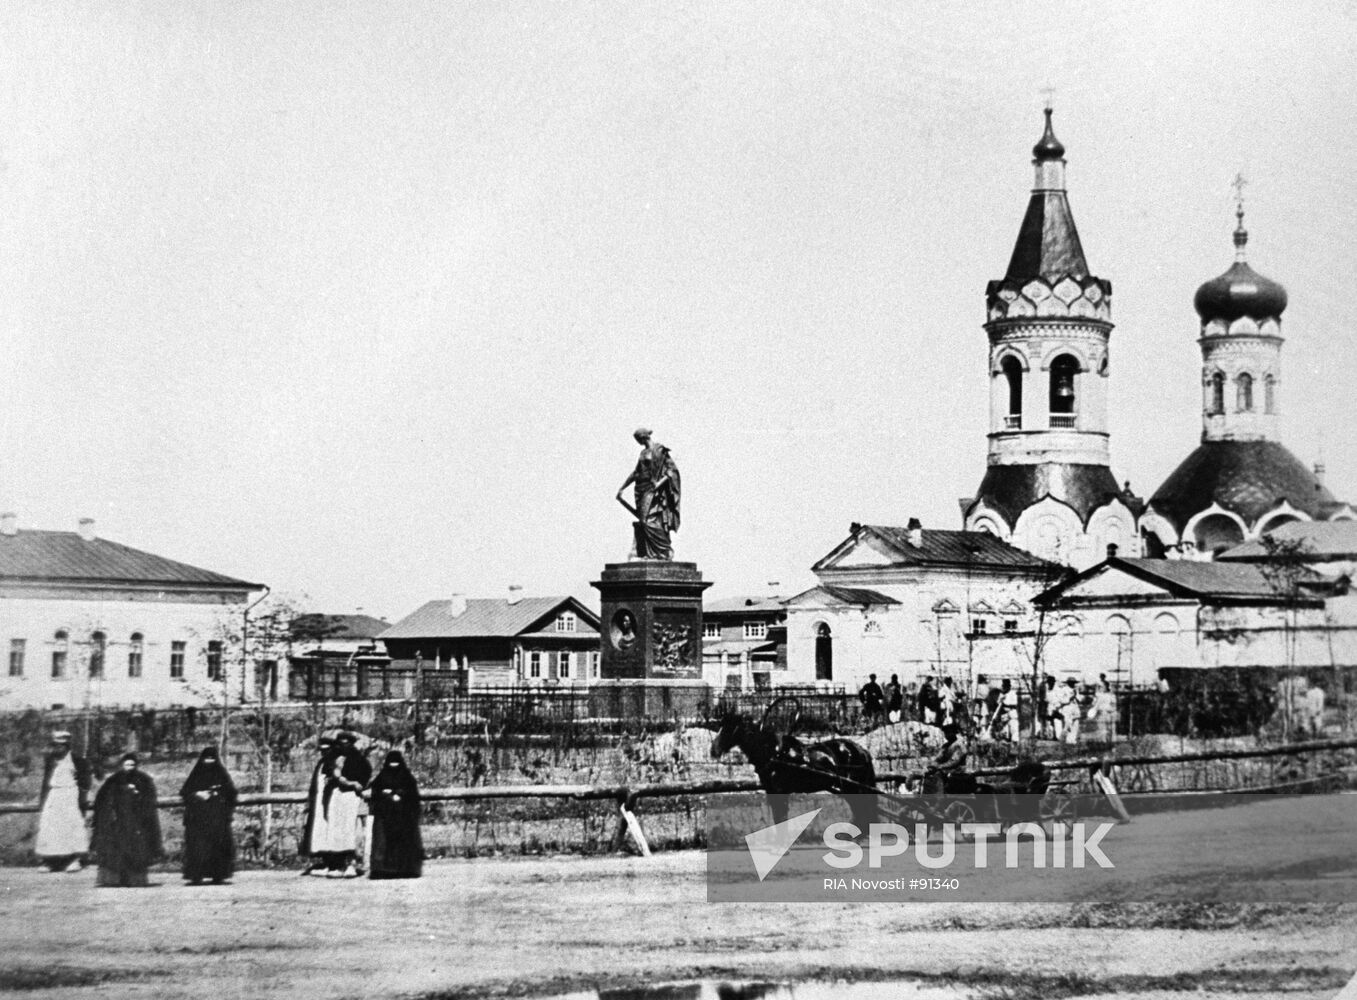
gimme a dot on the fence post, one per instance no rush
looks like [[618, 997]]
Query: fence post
[[629, 823]]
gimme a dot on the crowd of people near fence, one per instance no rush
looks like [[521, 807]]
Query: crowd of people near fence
[[121, 827], [997, 710]]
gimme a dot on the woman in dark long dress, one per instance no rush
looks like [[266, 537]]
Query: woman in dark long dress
[[126, 826], [397, 849], [209, 798]]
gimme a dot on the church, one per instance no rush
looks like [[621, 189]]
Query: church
[[1052, 546]]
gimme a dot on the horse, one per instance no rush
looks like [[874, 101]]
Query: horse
[[787, 766]]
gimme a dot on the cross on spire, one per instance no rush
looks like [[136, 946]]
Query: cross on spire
[[1241, 235], [1048, 92]]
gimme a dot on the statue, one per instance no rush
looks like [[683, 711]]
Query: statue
[[657, 499]]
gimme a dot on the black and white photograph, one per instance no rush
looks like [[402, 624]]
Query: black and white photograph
[[606, 500]]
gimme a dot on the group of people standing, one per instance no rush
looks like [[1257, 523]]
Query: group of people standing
[[126, 836]]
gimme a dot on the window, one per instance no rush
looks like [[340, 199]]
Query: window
[[824, 653], [214, 670], [756, 630], [1012, 370], [1010, 625], [566, 622], [16, 657], [1270, 394], [979, 626], [98, 647], [535, 663], [134, 649], [177, 661], [1244, 393], [1063, 370], [1216, 404], [593, 664], [711, 630], [59, 651], [565, 663]]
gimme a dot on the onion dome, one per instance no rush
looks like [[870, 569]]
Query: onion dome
[[1240, 291], [1048, 147]]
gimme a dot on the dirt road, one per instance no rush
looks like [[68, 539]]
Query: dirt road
[[471, 928]]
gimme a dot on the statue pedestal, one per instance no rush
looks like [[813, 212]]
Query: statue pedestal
[[652, 631]]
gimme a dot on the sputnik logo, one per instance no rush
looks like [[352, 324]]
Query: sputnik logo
[[768, 846]]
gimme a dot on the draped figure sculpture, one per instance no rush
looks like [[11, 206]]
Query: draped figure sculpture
[[658, 490]]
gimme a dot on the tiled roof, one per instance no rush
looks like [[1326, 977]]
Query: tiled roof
[[484, 617], [66, 557], [1209, 581], [858, 596], [1248, 478], [1011, 489], [1317, 540], [960, 548], [729, 605], [316, 625]]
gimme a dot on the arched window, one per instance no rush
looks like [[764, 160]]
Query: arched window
[[134, 651], [1216, 404], [1012, 370], [98, 646], [1063, 370], [1217, 533], [1243, 393], [824, 653], [1269, 394], [60, 647]]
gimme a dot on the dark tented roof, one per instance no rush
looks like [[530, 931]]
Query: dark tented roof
[[1248, 478], [319, 626], [1048, 244], [1011, 489], [485, 618], [66, 557]]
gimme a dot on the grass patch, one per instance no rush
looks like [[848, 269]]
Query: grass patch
[[60, 977]]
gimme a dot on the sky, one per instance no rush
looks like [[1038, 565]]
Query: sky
[[364, 300]]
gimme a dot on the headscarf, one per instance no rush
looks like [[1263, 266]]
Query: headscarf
[[208, 773], [395, 776]]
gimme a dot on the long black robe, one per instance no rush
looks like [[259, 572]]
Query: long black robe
[[209, 847], [397, 848], [126, 828]]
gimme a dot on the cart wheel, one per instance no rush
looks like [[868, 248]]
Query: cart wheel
[[1057, 806], [957, 813]]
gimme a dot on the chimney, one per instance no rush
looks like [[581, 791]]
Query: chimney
[[9, 524], [1319, 473], [773, 587], [916, 532], [457, 606], [515, 593], [1111, 550], [87, 528]]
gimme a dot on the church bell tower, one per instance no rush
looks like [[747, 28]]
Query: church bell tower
[[1048, 487]]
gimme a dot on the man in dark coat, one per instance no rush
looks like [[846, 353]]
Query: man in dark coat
[[397, 848], [209, 797], [126, 826], [66, 782], [872, 698]]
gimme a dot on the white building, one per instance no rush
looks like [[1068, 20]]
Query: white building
[[88, 622], [913, 601]]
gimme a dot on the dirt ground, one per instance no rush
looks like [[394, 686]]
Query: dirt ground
[[545, 926]]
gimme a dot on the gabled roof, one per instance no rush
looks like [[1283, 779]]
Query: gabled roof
[[937, 547], [316, 626], [67, 557], [1209, 582], [486, 617], [746, 605], [1315, 541], [831, 595]]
